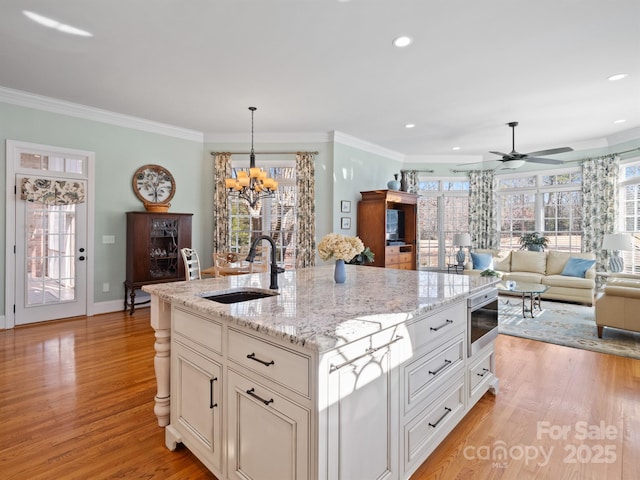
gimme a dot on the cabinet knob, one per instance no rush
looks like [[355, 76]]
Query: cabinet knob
[[81, 258]]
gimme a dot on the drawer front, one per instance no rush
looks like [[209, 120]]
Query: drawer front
[[480, 372], [392, 259], [426, 430], [283, 366], [423, 377], [405, 257], [392, 250], [200, 330], [440, 326]]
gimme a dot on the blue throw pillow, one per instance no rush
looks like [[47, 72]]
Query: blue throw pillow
[[481, 261], [577, 267]]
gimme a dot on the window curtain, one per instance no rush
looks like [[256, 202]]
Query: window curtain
[[52, 192], [306, 219], [409, 181], [599, 203], [222, 170], [482, 209]]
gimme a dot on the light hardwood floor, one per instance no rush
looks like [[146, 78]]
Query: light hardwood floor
[[76, 401]]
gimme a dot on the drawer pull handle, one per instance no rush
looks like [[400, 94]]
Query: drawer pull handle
[[211, 404], [438, 370], [447, 322], [258, 397], [252, 356], [368, 351], [484, 372], [447, 411]]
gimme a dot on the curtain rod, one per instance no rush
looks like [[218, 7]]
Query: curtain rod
[[417, 170], [263, 153]]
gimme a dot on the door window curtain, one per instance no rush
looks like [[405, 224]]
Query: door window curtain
[[222, 170], [306, 219], [409, 181], [52, 192], [482, 209], [599, 203]]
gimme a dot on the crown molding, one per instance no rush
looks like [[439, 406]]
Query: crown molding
[[348, 140], [279, 137], [48, 104], [443, 159], [625, 136]]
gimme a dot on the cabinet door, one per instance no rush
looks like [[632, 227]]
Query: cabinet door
[[196, 403], [362, 415], [268, 435]]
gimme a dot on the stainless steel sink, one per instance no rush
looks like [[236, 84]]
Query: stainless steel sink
[[239, 295]]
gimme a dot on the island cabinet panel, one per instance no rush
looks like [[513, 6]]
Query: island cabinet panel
[[362, 424], [196, 406], [387, 224], [268, 434]]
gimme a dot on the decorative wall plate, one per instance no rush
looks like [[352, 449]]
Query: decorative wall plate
[[155, 187]]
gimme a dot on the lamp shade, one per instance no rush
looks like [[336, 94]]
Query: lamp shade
[[617, 241], [462, 239]]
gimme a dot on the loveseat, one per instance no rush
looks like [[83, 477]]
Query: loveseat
[[618, 305], [570, 276]]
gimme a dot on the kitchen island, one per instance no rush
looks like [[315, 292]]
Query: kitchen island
[[321, 381]]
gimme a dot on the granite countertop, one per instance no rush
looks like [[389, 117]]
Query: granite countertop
[[314, 312]]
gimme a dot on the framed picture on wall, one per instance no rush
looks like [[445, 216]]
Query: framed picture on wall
[[345, 206], [345, 223]]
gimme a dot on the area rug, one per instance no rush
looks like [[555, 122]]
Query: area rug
[[567, 324]]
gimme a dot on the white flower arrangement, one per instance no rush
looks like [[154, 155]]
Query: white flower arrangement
[[339, 247]]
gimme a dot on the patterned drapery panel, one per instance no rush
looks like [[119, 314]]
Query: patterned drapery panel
[[409, 181], [482, 209], [222, 170], [52, 192], [306, 220], [599, 202]]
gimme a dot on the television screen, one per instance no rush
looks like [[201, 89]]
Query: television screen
[[395, 225]]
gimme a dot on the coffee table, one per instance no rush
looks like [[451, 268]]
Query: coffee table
[[530, 291]]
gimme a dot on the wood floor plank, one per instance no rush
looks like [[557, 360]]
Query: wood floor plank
[[76, 402]]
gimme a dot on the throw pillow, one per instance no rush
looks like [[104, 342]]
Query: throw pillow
[[577, 267], [481, 261]]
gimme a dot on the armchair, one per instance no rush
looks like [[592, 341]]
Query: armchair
[[619, 304]]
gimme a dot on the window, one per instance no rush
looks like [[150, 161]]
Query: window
[[551, 204], [275, 217], [443, 210], [629, 212]]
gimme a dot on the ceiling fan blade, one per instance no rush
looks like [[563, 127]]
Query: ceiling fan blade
[[548, 161], [501, 154], [476, 163], [551, 151]]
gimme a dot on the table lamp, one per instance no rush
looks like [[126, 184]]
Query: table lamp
[[462, 240], [617, 242]]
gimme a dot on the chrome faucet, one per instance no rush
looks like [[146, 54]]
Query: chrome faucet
[[274, 265]]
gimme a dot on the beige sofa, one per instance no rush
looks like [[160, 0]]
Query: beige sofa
[[618, 306], [545, 268]]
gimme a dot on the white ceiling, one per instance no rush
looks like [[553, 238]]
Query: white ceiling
[[315, 66]]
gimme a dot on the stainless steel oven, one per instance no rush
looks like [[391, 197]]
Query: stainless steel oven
[[482, 318]]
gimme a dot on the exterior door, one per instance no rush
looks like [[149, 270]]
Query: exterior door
[[51, 252]]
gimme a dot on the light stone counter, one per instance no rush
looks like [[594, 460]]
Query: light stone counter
[[314, 312]]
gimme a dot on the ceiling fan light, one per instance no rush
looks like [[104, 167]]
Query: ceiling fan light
[[512, 164]]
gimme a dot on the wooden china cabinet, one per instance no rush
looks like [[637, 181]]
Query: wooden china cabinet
[[154, 241]]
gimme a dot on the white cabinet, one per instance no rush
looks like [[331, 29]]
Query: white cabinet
[[362, 422], [196, 403], [268, 435]]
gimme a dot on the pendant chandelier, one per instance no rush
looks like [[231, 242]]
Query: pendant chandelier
[[254, 185]]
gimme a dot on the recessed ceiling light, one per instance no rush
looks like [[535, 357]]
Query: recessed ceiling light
[[410, 125], [622, 120], [402, 41], [617, 76], [455, 148], [51, 23]]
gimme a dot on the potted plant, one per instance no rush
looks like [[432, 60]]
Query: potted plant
[[364, 257], [533, 241]]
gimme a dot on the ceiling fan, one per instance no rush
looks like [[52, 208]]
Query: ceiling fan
[[513, 160]]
